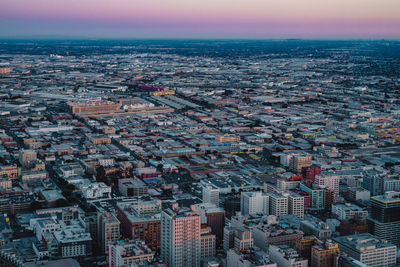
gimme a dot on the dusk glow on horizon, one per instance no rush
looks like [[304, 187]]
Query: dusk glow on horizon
[[207, 18]]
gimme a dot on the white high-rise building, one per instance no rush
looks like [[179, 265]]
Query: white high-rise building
[[180, 237], [278, 204], [331, 181], [254, 202], [210, 195], [296, 204]]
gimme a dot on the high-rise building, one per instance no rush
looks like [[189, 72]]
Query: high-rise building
[[285, 158], [296, 205], [212, 216], [330, 181], [229, 236], [310, 172], [368, 249], [140, 219], [323, 255], [278, 204], [329, 198], [210, 195], [316, 194], [207, 242], [254, 202], [180, 237], [298, 162], [384, 221], [108, 230]]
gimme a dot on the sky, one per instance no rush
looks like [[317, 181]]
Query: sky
[[201, 18]]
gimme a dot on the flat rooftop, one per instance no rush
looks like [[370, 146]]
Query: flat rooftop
[[362, 242]]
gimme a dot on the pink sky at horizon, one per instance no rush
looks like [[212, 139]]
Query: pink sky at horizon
[[241, 17]]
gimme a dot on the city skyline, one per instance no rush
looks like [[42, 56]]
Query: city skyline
[[210, 19], [192, 153]]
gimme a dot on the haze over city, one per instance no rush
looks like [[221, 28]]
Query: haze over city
[[213, 133], [201, 19]]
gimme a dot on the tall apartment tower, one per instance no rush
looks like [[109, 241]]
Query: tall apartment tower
[[331, 181], [108, 230], [210, 195], [384, 221], [180, 237], [278, 204], [208, 242], [298, 162], [296, 204], [253, 203]]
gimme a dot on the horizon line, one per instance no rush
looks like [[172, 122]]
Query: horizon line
[[176, 38]]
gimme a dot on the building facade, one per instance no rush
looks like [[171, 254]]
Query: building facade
[[368, 249], [180, 237]]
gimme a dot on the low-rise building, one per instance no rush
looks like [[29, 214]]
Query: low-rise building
[[368, 249], [285, 256], [320, 229], [73, 241], [358, 194], [349, 211], [266, 235], [128, 253], [95, 190], [236, 258], [132, 187], [323, 255]]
